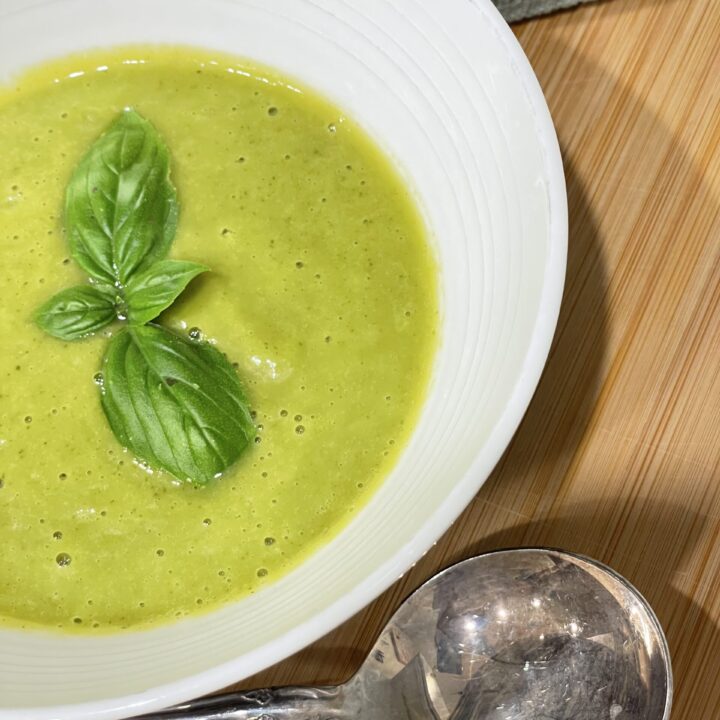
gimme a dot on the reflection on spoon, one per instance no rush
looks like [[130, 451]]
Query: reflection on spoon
[[526, 634]]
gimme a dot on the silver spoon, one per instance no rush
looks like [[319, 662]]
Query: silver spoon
[[526, 634]]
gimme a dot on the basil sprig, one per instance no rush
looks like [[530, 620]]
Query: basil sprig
[[175, 402]]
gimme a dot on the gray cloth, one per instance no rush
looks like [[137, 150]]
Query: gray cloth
[[513, 10]]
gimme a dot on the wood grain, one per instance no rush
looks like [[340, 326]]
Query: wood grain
[[618, 456]]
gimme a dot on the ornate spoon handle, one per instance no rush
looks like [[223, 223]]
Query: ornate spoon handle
[[288, 703]]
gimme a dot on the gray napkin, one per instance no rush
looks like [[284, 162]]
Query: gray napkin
[[513, 10]]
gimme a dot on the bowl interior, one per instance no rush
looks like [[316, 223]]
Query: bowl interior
[[446, 91]]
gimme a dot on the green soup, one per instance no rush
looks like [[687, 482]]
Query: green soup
[[323, 291]]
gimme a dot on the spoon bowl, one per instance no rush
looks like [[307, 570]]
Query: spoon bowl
[[510, 635]]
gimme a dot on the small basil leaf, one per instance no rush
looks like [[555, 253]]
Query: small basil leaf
[[176, 404], [120, 207], [77, 312], [151, 291]]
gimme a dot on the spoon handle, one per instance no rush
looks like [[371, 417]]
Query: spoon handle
[[288, 703]]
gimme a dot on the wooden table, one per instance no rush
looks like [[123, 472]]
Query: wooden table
[[618, 456]]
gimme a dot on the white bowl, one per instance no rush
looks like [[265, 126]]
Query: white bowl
[[446, 90]]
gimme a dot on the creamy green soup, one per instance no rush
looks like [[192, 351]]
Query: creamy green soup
[[322, 291]]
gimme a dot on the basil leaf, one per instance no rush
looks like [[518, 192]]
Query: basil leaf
[[77, 312], [176, 404], [120, 207], [151, 291]]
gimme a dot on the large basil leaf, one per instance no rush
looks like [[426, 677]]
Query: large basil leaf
[[120, 207], [77, 312], [175, 403], [151, 291]]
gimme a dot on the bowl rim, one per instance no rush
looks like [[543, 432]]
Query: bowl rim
[[395, 566]]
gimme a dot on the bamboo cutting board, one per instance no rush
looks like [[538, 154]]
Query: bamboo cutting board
[[619, 454]]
